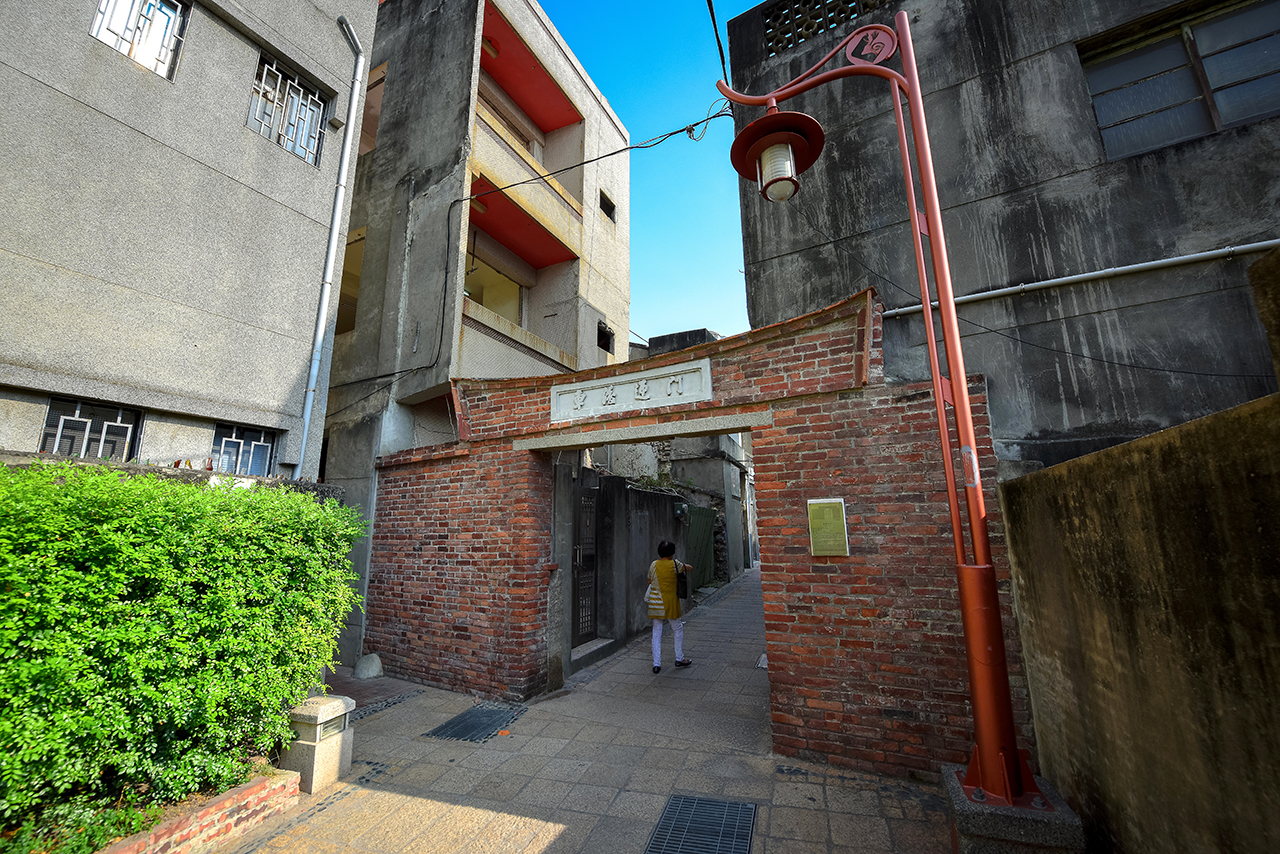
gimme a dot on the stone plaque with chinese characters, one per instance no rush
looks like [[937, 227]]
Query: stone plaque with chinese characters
[[689, 382], [828, 534]]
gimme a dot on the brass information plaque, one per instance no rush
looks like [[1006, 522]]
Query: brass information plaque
[[828, 533]]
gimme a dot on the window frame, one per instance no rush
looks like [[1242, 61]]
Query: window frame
[[1177, 25], [277, 117], [133, 430], [244, 461], [136, 37], [604, 337]]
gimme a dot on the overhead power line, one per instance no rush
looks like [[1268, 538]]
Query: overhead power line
[[724, 68], [694, 131]]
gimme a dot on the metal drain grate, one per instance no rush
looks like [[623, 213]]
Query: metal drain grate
[[703, 826], [477, 723]]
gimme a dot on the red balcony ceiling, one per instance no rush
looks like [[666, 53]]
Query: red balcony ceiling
[[521, 76], [507, 223]]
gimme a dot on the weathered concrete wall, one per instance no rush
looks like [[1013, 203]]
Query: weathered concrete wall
[[405, 196], [157, 253], [1027, 195], [1147, 579], [21, 419], [1264, 278]]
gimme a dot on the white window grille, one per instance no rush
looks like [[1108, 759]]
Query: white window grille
[[149, 32], [287, 111], [790, 22], [243, 450], [103, 431]]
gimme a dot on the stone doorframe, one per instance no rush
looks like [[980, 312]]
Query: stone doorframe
[[865, 650]]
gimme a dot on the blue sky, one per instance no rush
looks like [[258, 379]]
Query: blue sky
[[656, 63]]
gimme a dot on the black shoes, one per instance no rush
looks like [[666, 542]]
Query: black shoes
[[682, 663]]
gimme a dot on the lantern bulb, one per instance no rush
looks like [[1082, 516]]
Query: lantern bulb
[[778, 173]]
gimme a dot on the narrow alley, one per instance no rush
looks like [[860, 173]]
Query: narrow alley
[[591, 768]]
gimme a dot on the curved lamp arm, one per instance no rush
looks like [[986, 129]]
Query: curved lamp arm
[[864, 48]]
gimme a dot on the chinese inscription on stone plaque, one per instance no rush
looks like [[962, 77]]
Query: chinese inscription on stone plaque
[[685, 383]]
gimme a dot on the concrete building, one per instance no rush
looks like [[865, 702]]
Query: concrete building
[[167, 203], [1069, 138], [487, 239]]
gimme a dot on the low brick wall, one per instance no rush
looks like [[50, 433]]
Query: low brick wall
[[222, 819]]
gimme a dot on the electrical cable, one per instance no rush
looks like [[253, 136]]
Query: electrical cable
[[719, 45], [836, 244], [690, 130]]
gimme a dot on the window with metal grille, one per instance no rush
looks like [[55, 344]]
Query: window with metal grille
[[77, 428], [790, 22], [149, 32], [244, 450], [287, 111], [1187, 78]]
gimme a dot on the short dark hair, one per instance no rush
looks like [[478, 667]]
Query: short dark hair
[[666, 548]]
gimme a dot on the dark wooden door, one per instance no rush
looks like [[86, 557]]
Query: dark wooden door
[[585, 587], [700, 546]]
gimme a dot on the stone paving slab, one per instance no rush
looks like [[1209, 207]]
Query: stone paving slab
[[590, 770]]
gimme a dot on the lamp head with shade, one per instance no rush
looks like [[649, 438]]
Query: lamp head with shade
[[775, 150]]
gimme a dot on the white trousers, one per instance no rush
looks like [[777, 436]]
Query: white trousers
[[677, 629]]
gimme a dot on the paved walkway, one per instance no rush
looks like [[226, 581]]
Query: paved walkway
[[590, 769]]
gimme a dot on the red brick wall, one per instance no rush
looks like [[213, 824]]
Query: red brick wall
[[866, 656], [224, 818], [458, 581]]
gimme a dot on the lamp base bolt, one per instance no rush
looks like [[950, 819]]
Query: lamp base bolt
[[987, 828]]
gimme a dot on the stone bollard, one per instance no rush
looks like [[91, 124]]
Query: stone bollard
[[322, 751]]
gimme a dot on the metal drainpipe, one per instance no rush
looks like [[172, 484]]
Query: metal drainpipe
[[335, 223], [1108, 273]]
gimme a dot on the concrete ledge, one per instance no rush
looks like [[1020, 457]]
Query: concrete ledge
[[690, 424], [224, 818], [982, 829]]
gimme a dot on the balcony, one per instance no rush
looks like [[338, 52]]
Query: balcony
[[493, 346]]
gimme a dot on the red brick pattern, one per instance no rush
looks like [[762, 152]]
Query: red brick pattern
[[458, 581], [866, 656], [224, 818]]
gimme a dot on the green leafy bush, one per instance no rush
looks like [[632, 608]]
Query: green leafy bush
[[153, 633]]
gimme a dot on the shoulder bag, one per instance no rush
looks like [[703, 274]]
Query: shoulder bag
[[657, 608]]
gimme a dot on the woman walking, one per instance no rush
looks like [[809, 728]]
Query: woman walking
[[662, 574]]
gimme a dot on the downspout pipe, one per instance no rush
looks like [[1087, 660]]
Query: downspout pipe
[[335, 224], [1108, 273]]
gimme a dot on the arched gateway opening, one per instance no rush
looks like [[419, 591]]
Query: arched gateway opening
[[865, 649]]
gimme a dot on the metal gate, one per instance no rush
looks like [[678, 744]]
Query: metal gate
[[584, 568], [700, 547]]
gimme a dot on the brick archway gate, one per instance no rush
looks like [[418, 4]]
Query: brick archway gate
[[866, 657]]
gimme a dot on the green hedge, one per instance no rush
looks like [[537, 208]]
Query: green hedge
[[154, 633]]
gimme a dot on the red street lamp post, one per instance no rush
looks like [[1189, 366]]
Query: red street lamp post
[[773, 151]]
